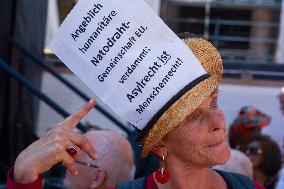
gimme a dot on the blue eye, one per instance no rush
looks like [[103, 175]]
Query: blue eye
[[214, 105], [194, 117]]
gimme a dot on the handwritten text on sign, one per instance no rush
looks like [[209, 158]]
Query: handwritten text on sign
[[126, 55]]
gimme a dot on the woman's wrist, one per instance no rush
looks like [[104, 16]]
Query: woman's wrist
[[24, 175]]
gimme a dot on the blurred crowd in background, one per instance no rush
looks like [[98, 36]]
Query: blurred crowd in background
[[248, 33]]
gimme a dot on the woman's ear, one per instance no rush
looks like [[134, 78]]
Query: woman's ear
[[159, 150], [100, 179]]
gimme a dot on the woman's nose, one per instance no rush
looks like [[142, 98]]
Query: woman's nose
[[217, 120]]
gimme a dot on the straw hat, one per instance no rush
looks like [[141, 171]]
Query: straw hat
[[211, 61]]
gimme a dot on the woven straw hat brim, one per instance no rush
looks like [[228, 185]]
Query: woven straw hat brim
[[211, 61], [179, 111]]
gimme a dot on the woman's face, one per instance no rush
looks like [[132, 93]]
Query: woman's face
[[254, 153], [201, 138]]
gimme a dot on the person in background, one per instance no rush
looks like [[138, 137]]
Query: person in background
[[265, 155], [239, 163], [248, 124], [116, 164]]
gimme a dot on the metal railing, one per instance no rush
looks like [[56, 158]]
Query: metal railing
[[251, 2], [32, 88], [68, 84], [236, 31], [257, 71], [269, 3], [222, 41]]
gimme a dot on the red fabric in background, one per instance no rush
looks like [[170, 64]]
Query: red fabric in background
[[11, 184]]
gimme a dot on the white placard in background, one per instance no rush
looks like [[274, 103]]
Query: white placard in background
[[126, 55]]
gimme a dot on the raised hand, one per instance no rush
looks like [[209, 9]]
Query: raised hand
[[49, 150]]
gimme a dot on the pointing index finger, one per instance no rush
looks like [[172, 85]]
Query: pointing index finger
[[71, 121]]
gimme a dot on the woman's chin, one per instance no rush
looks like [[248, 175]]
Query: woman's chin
[[226, 154], [225, 158], [221, 153]]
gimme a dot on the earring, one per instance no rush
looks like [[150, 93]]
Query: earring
[[162, 175]]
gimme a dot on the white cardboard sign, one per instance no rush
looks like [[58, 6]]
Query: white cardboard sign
[[126, 55]]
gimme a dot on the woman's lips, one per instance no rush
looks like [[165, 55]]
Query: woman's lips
[[215, 144]]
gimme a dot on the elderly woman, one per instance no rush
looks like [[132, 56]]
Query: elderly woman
[[188, 136]]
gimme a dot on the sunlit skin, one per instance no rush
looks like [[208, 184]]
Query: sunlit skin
[[50, 149], [87, 176], [114, 167], [199, 142]]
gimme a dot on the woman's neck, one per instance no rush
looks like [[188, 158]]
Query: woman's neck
[[192, 177]]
